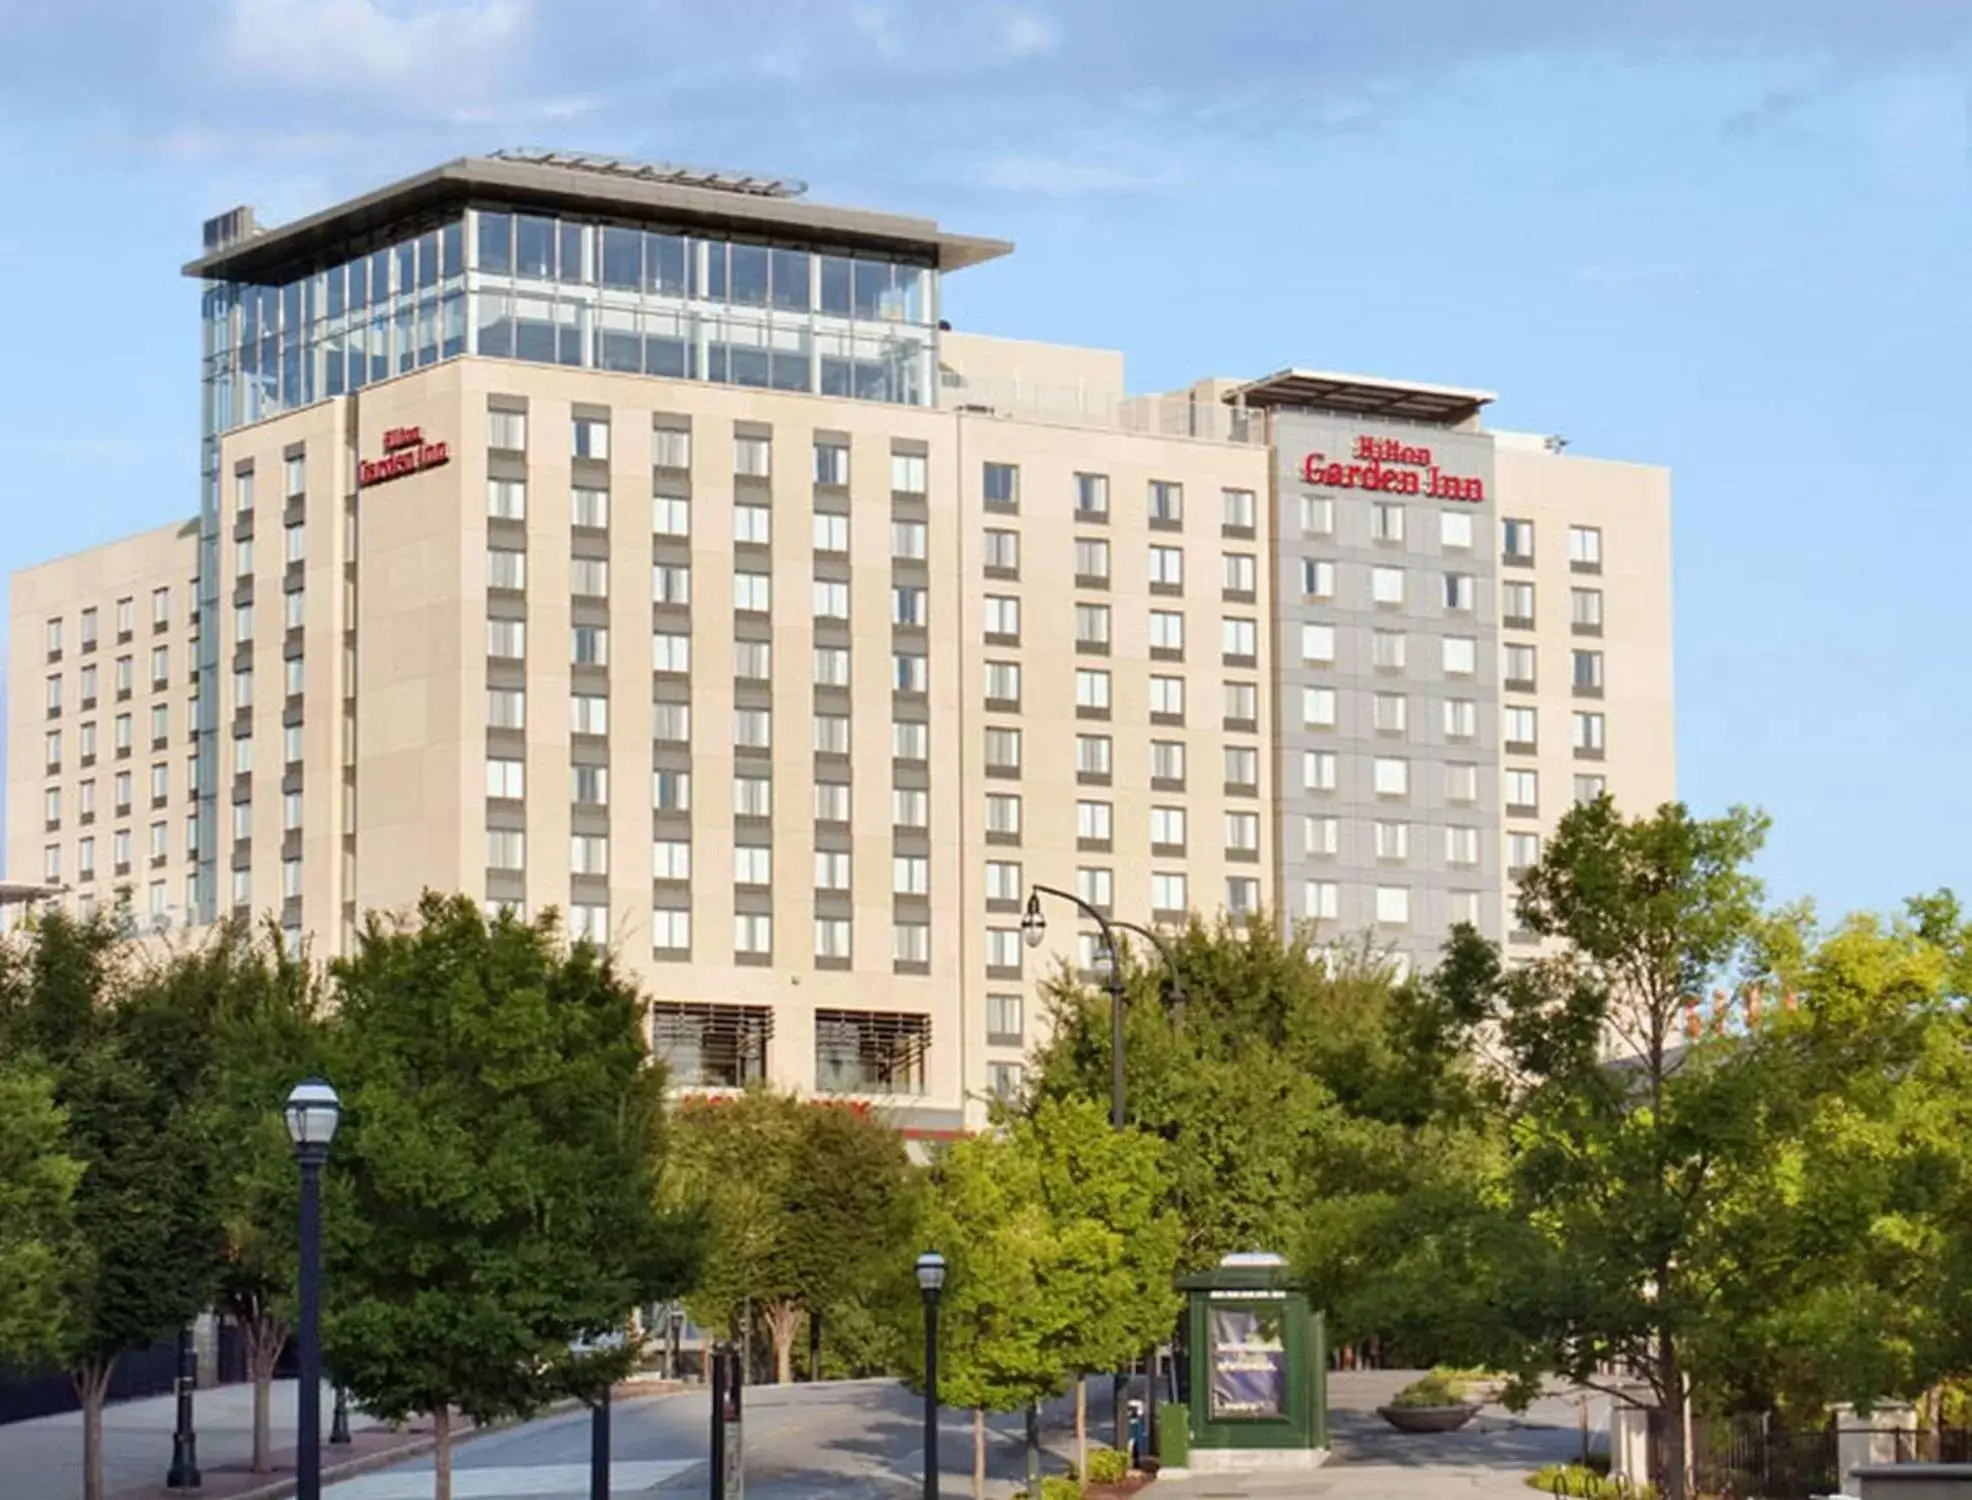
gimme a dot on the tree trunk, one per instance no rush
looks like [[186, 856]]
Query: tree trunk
[[1671, 1396], [441, 1452], [92, 1383], [265, 1336], [1082, 1427], [783, 1320], [979, 1453]]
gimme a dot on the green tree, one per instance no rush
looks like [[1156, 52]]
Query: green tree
[[37, 1219], [500, 1152]]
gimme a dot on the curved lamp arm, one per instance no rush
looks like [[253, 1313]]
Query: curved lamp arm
[[1175, 995]]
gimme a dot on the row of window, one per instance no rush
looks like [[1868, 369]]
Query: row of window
[[1456, 530], [126, 622], [88, 681], [1459, 718], [1321, 901], [1391, 775], [1390, 588]]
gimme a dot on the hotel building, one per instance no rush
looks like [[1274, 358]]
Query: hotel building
[[640, 542]]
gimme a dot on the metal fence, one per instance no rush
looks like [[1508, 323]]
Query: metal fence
[[1754, 1458]]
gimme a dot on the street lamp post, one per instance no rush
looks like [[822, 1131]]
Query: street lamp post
[[184, 1471], [931, 1279], [313, 1110]]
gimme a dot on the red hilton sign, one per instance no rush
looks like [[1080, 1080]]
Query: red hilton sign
[[405, 451], [1394, 467]]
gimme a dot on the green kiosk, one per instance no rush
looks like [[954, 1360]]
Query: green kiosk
[[1254, 1369]]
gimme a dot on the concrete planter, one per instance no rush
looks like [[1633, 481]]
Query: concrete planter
[[1428, 1418]]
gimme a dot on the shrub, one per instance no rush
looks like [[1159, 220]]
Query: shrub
[[1574, 1480], [1056, 1487], [1107, 1466], [1439, 1388]]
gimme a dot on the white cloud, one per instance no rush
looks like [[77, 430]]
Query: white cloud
[[1025, 34], [877, 26], [1058, 177], [342, 44]]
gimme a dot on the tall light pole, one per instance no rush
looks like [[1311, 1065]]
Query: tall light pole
[[313, 1111], [931, 1279]]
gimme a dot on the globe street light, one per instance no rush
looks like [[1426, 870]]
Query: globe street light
[[931, 1279], [313, 1111]]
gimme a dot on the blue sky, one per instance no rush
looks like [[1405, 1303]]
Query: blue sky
[[1726, 235]]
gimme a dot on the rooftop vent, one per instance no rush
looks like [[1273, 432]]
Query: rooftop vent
[[651, 171], [229, 228]]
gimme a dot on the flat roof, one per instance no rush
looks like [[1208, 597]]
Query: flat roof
[[12, 893], [730, 203], [1364, 396]]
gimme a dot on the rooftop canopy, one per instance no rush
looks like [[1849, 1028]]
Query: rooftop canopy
[[1363, 396], [731, 203]]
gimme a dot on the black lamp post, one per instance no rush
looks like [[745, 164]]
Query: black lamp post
[[677, 1344], [931, 1279], [313, 1111], [184, 1471]]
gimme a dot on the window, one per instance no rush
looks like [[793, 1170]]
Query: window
[[589, 577], [1587, 730], [1318, 645], [120, 793], [1091, 497], [242, 568], [1523, 791], [670, 516], [1517, 540], [830, 533], [1461, 655], [1461, 593], [907, 473], [1003, 1016], [506, 849], [753, 660], [832, 937], [1588, 788], [126, 609], [1321, 836], [1167, 698], [589, 646], [831, 463], [1462, 908], [1461, 847], [831, 600], [671, 859], [293, 550], [161, 781], [122, 735], [1461, 718], [1001, 484], [671, 652], [160, 668], [671, 791], [831, 666], [1317, 515], [1092, 560], [753, 591], [1517, 663], [753, 457], [1236, 509], [753, 797], [671, 722], [1167, 567], [1238, 571], [290, 811], [670, 448], [1386, 586], [910, 875], [1167, 761], [55, 693], [831, 734], [909, 807], [1242, 767], [1390, 777], [1239, 638], [55, 635], [1393, 841], [1092, 625], [1317, 578], [1318, 770], [86, 799], [1585, 610], [753, 864], [1318, 708], [505, 569], [1388, 650], [1386, 521], [910, 739], [1167, 502], [1586, 671], [506, 639], [1523, 850], [589, 507], [671, 930], [1455, 529], [51, 811], [1585, 547], [753, 524], [1167, 827], [1003, 948], [588, 854], [1002, 813], [752, 728], [910, 671], [1168, 893], [1321, 900], [1096, 886], [506, 500], [1393, 905], [1242, 703], [1002, 615], [1002, 549], [293, 605], [506, 779], [1167, 631], [1522, 727], [507, 430], [1092, 755], [1242, 895], [120, 841], [1242, 832], [753, 932], [1092, 821], [831, 870], [1517, 605], [1003, 880], [588, 713], [909, 606], [506, 708], [1002, 749]]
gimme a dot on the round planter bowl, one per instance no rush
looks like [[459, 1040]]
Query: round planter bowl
[[1428, 1418]]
